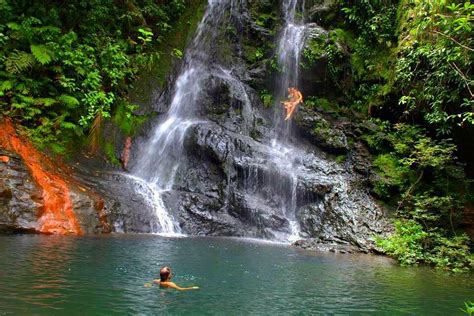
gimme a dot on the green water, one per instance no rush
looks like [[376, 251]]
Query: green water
[[53, 275]]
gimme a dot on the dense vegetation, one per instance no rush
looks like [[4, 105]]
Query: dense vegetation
[[410, 67], [65, 67], [405, 65]]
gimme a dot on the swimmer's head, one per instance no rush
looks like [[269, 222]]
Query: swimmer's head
[[165, 274]]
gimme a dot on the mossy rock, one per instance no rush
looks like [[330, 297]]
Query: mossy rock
[[323, 12], [325, 66], [319, 131]]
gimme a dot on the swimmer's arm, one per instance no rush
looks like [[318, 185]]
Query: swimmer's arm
[[179, 288]]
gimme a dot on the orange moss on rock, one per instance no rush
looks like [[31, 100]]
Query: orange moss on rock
[[56, 215]]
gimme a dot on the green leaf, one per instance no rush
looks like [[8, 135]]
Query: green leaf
[[26, 99], [68, 125], [19, 105], [49, 28], [46, 101], [14, 26], [42, 54], [6, 85], [177, 53], [69, 101], [57, 149]]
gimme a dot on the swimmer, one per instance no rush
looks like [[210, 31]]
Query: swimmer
[[165, 281]]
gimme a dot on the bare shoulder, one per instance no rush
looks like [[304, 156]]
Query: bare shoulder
[[168, 284], [173, 285]]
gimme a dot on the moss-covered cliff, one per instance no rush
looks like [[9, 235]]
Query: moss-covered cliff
[[393, 77]]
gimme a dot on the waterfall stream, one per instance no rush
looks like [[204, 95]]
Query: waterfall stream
[[289, 48], [214, 164], [160, 158]]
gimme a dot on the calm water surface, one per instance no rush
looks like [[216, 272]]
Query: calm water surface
[[54, 275]]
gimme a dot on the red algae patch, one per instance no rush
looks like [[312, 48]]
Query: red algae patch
[[56, 215]]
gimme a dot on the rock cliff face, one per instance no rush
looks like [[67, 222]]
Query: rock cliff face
[[231, 178], [37, 196], [19, 196]]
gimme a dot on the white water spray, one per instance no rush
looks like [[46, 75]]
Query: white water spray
[[289, 49], [160, 157]]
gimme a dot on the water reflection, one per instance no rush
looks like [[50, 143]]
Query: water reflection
[[49, 261], [105, 275], [36, 267]]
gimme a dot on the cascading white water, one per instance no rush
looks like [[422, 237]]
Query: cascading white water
[[289, 48], [290, 45], [159, 159], [238, 175], [277, 169]]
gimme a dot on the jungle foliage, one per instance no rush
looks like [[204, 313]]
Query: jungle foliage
[[65, 67], [412, 70]]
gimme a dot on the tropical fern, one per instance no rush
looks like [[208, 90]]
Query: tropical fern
[[19, 61], [6, 85], [42, 54]]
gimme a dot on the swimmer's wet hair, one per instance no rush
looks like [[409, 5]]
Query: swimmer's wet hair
[[165, 274]]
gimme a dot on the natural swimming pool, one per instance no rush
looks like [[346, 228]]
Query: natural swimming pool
[[98, 275]]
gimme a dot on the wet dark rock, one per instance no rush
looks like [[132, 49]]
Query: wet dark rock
[[321, 11], [361, 159], [123, 209], [319, 131], [327, 220], [251, 210], [216, 98], [328, 246], [19, 196], [210, 195], [201, 215], [324, 75]]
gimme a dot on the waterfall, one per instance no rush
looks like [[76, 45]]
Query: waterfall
[[159, 159], [289, 48], [224, 167]]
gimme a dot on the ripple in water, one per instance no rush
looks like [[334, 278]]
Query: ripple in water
[[103, 275]]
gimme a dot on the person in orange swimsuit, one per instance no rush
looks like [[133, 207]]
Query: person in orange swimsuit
[[165, 281], [295, 98]]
